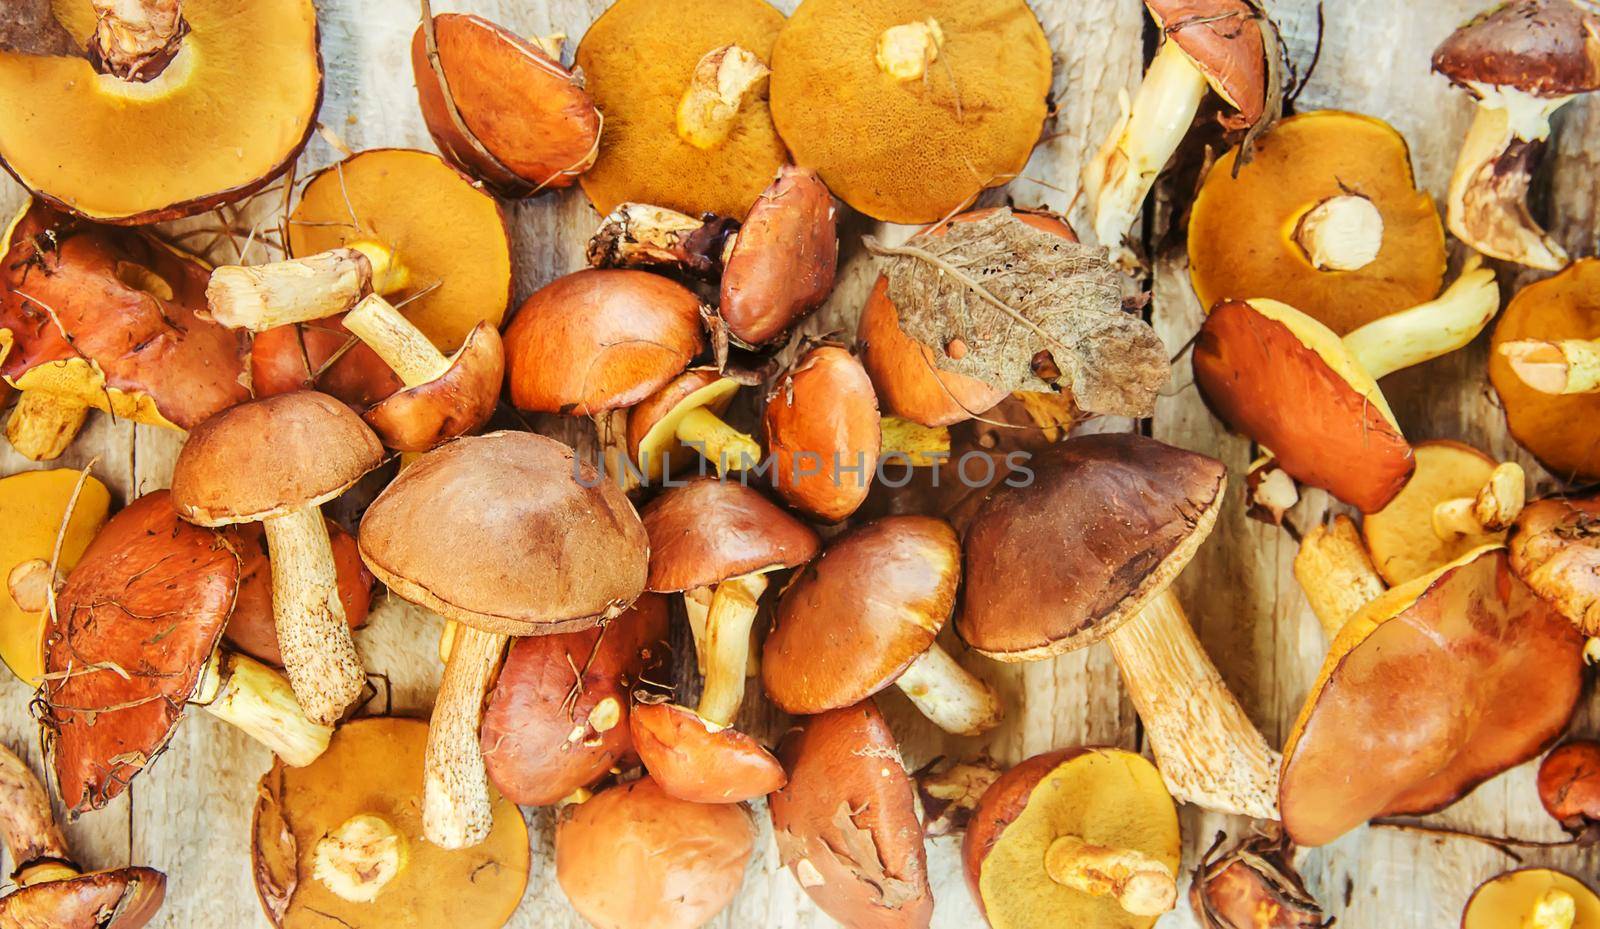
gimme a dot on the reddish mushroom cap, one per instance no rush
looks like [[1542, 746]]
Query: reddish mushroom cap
[[1569, 786], [823, 434], [415, 419], [126, 898], [783, 261], [694, 760], [320, 355], [1548, 48], [1223, 39], [252, 629], [707, 531]]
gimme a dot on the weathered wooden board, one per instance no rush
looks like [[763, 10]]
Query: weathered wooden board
[[189, 814]]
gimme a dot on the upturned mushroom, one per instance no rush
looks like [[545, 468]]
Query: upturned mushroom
[[252, 629], [1521, 61], [506, 534], [1252, 885], [1124, 514], [1082, 836], [1228, 46], [342, 841], [823, 434], [1555, 549], [866, 614], [51, 890], [276, 461], [846, 823], [51, 517], [682, 423], [1532, 898], [694, 759], [1569, 788]]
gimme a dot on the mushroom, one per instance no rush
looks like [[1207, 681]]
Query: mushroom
[[1269, 492], [1555, 549], [500, 107], [168, 111], [1469, 664], [633, 855], [695, 759], [1336, 573], [1289, 383], [276, 461], [823, 434], [1325, 217], [1082, 837], [506, 534], [682, 84], [556, 720], [51, 891], [1521, 61], [949, 793], [866, 614], [1532, 898], [1223, 44], [846, 823], [1252, 885], [341, 841], [687, 414], [910, 110], [1124, 514], [134, 639], [320, 355], [253, 629], [1569, 788], [96, 316], [1540, 388]]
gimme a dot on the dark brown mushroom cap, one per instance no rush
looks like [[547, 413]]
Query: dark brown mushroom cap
[[860, 614], [545, 732], [126, 898], [460, 401], [1555, 549], [783, 261], [1223, 38], [268, 457], [1548, 48], [707, 531], [506, 532], [1121, 515], [697, 761], [824, 434], [846, 823], [135, 624]]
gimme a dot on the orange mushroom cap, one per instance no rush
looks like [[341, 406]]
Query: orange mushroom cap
[[131, 897], [320, 355], [1223, 39], [695, 760], [1546, 48], [823, 434], [415, 419], [783, 262]]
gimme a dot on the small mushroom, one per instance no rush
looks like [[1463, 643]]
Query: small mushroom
[[1569, 788], [341, 841], [695, 759], [846, 823], [1521, 61], [1082, 837], [1555, 549], [634, 856], [865, 615], [253, 629], [823, 434], [1532, 898], [687, 414], [1252, 885], [51, 891]]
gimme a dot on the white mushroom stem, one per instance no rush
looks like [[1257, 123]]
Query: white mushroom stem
[[1486, 204], [359, 858], [722, 81], [456, 811], [1492, 509], [1140, 884], [727, 646], [697, 606], [42, 425], [921, 446], [1343, 233], [278, 293], [30, 828], [725, 447], [1554, 909], [955, 699], [1207, 749], [1336, 573], [318, 652], [1269, 491], [1431, 329], [30, 584], [1569, 366], [259, 701], [396, 340], [131, 33], [1142, 142], [904, 52]]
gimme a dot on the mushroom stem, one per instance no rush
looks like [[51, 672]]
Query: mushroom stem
[[1207, 749], [696, 606], [1570, 366], [1141, 885], [1270, 493], [727, 646], [30, 584], [1431, 329], [904, 52], [1554, 909], [611, 430], [722, 81], [921, 446], [133, 39], [278, 293], [258, 700], [1336, 573], [640, 235], [359, 858], [1142, 142], [1492, 509], [43, 424], [1486, 204], [31, 833], [724, 446], [955, 699], [318, 653], [396, 340], [456, 811], [1343, 233]]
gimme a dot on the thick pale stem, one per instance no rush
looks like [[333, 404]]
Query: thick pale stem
[[1269, 491], [1336, 573], [921, 446], [955, 699], [318, 652], [1555, 909], [727, 646], [29, 827], [1207, 749], [259, 701], [724, 446], [1491, 510], [722, 81], [1431, 329], [611, 428], [133, 39], [905, 52], [456, 812], [1140, 884], [1486, 204], [359, 858], [1142, 142], [640, 235], [42, 425], [1343, 233], [278, 293], [29, 583], [1569, 366], [396, 340], [697, 606]]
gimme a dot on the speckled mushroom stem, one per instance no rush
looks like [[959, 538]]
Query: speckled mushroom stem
[[456, 811], [264, 296], [1343, 233], [721, 82], [1336, 573], [952, 697], [1492, 509], [396, 340], [318, 652], [1431, 329], [38, 848], [725, 447], [1140, 884], [1207, 749], [726, 647], [259, 701], [42, 425], [922, 446], [1567, 366], [1486, 204]]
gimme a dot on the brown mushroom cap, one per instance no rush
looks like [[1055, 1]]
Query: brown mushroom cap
[[1432, 688], [1122, 515], [697, 761], [1288, 383], [1555, 549], [1504, 900], [1401, 537], [507, 533], [634, 856], [707, 531], [1548, 48], [1253, 885], [150, 597], [548, 730], [783, 261], [653, 422], [252, 629], [598, 340], [860, 614], [1569, 786], [268, 457], [126, 898], [846, 823], [460, 401], [320, 355], [823, 434], [1223, 39]]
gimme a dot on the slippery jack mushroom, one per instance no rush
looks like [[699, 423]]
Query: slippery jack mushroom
[[1569, 788], [1521, 61], [682, 423], [823, 434], [51, 517], [1532, 898], [1252, 885], [1555, 549], [50, 889]]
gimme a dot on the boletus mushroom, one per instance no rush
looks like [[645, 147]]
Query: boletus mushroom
[[51, 891], [682, 423], [1521, 61], [1555, 549], [1569, 788], [1532, 898], [866, 615], [911, 108], [168, 107], [823, 434], [342, 841], [505, 534], [1082, 837], [1252, 885], [1123, 514]]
